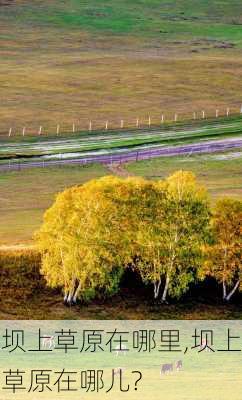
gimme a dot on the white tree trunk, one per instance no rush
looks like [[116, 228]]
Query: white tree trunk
[[157, 289], [225, 268], [69, 298], [71, 293], [165, 289], [75, 296], [173, 256], [66, 296], [224, 290], [228, 297]]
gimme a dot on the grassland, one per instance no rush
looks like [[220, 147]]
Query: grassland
[[71, 62], [221, 173], [26, 195], [207, 369], [65, 62]]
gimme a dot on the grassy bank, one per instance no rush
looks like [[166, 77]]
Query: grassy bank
[[83, 144]]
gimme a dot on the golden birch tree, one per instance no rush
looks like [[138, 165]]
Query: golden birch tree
[[224, 255]]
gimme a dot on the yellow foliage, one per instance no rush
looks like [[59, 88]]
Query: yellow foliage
[[224, 255]]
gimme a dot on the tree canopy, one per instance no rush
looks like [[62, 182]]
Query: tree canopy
[[93, 232], [224, 255], [88, 235], [171, 244]]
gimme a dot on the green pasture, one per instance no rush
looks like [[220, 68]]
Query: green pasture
[[213, 372], [26, 195], [221, 173], [163, 19], [72, 61]]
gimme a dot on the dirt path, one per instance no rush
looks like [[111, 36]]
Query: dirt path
[[119, 169]]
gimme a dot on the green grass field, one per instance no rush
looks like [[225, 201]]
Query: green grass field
[[220, 172], [65, 62], [26, 195], [213, 372], [140, 17]]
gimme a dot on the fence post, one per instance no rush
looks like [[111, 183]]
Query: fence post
[[23, 131], [106, 126], [175, 118], [73, 128], [40, 130], [122, 123], [10, 132], [58, 130], [162, 119], [137, 122], [90, 126], [203, 114], [194, 115], [227, 111], [217, 113], [241, 110], [149, 122]]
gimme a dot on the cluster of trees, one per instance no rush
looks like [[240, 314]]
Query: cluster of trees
[[166, 230]]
